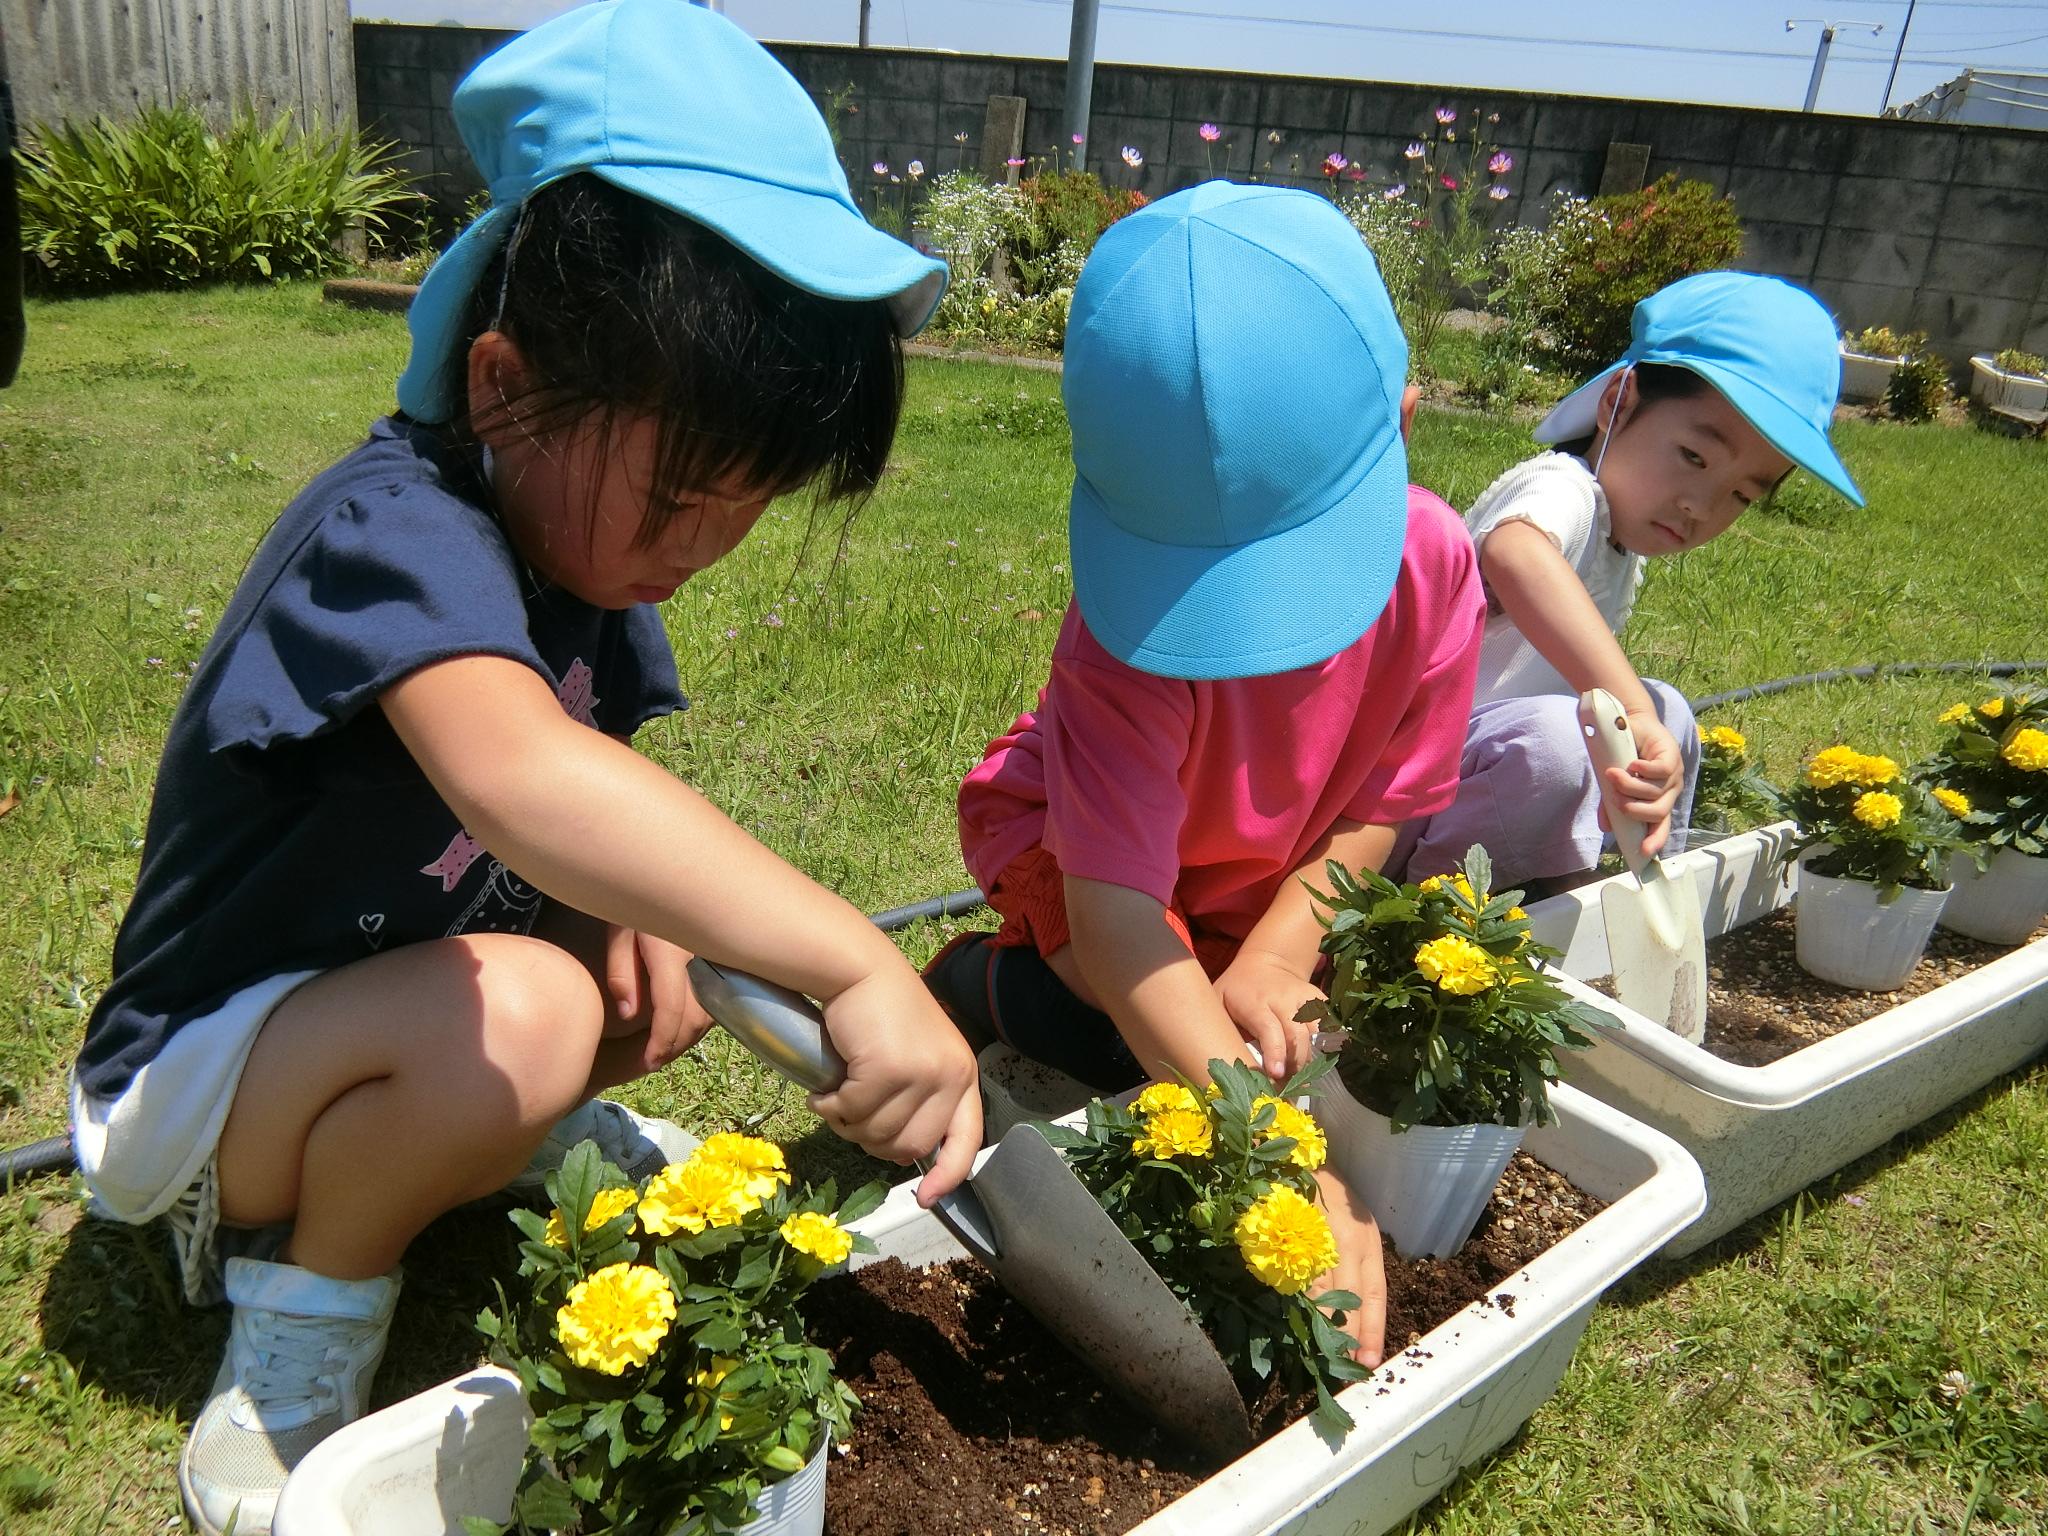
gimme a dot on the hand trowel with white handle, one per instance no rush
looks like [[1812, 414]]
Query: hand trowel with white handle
[[1656, 940]]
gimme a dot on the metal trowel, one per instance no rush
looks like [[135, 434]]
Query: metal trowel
[[1656, 939], [1038, 1230]]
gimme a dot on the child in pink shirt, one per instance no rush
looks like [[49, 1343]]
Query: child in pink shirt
[[1269, 662]]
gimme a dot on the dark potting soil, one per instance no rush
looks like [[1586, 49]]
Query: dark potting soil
[[1761, 1006], [976, 1420]]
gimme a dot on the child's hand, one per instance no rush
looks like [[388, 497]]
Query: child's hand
[[648, 982], [911, 1089], [1360, 1268], [1262, 993], [1649, 786]]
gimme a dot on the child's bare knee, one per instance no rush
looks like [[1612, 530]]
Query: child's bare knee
[[543, 1017]]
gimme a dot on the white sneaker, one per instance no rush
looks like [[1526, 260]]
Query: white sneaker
[[636, 1144], [301, 1354]]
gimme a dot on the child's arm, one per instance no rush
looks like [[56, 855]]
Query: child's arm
[[1264, 987], [1155, 991], [1538, 589], [605, 831]]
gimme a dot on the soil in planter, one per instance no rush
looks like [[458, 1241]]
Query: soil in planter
[[974, 1419], [1761, 1006]]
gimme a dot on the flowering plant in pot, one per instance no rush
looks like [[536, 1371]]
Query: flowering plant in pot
[[2010, 380], [1216, 1188], [1991, 774], [1869, 358], [1731, 790], [1872, 848], [1453, 1031], [661, 1347]]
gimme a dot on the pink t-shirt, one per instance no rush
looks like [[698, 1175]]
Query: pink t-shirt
[[1207, 795]]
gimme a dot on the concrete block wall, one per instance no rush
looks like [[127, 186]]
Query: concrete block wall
[[1929, 226]]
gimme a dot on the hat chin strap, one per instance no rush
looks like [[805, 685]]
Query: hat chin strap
[[1607, 432]]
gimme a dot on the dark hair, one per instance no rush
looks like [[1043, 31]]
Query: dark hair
[[1655, 382], [624, 307]]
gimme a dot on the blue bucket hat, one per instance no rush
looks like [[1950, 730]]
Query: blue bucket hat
[[674, 103], [1233, 376], [1768, 347]]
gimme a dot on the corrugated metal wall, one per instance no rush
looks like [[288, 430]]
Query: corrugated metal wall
[[77, 58]]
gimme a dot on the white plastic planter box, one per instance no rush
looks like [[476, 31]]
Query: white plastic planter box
[[1762, 1133], [416, 1468], [2021, 393], [1866, 376]]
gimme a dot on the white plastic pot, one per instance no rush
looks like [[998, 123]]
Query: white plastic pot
[[1866, 376], [2001, 390], [1426, 1185], [1846, 935], [2001, 904], [416, 1467], [1763, 1133]]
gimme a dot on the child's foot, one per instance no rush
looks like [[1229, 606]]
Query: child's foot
[[958, 978], [636, 1144], [301, 1354]]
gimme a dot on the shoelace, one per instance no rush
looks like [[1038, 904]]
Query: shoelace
[[292, 1358]]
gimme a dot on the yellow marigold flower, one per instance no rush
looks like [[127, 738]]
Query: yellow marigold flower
[[1311, 1148], [1174, 1133], [1876, 769], [761, 1161], [1991, 709], [2027, 751], [1456, 965], [819, 1236], [1285, 1241], [1160, 1096], [1954, 801], [1463, 886], [690, 1196], [1725, 737], [616, 1318], [608, 1204], [1835, 765], [1875, 808], [1955, 714], [704, 1383]]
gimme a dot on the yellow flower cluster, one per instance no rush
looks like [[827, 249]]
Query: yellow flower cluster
[[1875, 808], [1456, 965], [608, 1205], [1992, 709], [1175, 1132], [819, 1236], [704, 1385], [2027, 751], [1954, 801], [1833, 766], [1163, 1096], [1463, 886], [1285, 1241], [760, 1161], [1310, 1146], [1955, 714], [722, 1183], [616, 1318], [1726, 738]]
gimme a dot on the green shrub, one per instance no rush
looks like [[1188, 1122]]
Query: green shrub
[[164, 199], [1577, 283], [1919, 386], [1069, 211], [1883, 341], [2013, 360]]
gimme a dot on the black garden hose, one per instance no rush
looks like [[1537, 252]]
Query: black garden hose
[[53, 1153]]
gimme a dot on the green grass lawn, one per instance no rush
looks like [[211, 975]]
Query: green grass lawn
[[1785, 1380]]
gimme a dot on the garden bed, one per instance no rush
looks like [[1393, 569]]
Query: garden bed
[[974, 1418], [416, 1468], [1762, 1132]]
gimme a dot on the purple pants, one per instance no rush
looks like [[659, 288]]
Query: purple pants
[[1526, 793]]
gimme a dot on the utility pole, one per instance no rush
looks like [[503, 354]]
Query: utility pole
[[1080, 79], [865, 7], [1820, 54], [1898, 53]]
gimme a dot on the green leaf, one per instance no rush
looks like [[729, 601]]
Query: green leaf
[[862, 1201], [545, 1502]]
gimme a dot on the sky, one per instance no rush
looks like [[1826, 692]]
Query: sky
[[1731, 52]]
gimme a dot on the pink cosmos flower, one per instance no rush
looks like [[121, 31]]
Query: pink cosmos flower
[[1447, 115], [1398, 189], [1450, 183], [1210, 133], [1133, 156], [916, 169], [1334, 163], [1415, 151], [1499, 194], [881, 167], [1078, 137], [1014, 160], [1501, 163]]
